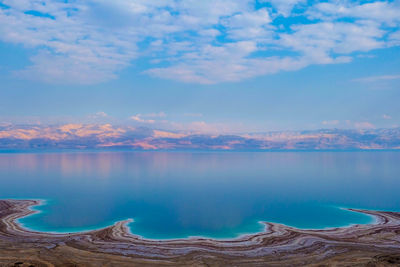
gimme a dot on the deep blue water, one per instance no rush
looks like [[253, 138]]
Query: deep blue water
[[216, 194]]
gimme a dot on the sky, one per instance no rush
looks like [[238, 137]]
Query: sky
[[210, 65]]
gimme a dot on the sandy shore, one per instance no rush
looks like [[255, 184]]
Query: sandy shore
[[279, 245]]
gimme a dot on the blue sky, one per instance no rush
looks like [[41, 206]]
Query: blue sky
[[228, 66]]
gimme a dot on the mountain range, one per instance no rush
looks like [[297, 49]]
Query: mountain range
[[107, 136]]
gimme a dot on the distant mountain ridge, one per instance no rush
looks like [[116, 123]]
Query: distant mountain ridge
[[107, 136]]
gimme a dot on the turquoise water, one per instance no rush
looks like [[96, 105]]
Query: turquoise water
[[216, 194]]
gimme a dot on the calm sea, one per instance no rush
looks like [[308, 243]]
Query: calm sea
[[213, 194]]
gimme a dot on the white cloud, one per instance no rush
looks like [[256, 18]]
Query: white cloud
[[394, 38], [155, 115], [326, 42], [378, 11], [333, 122], [284, 7], [386, 117], [98, 117], [149, 118], [364, 125], [100, 114], [207, 41], [67, 69], [139, 118], [203, 127]]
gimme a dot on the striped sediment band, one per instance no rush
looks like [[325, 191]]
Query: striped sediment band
[[280, 245]]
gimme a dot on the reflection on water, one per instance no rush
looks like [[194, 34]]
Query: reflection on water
[[171, 194]]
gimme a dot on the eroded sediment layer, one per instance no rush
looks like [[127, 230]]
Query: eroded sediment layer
[[375, 244]]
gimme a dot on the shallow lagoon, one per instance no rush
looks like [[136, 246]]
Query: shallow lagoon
[[213, 194]]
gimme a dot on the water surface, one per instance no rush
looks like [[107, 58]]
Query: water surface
[[215, 194]]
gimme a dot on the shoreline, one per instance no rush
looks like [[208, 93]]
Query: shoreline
[[42, 202], [264, 224], [277, 245]]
